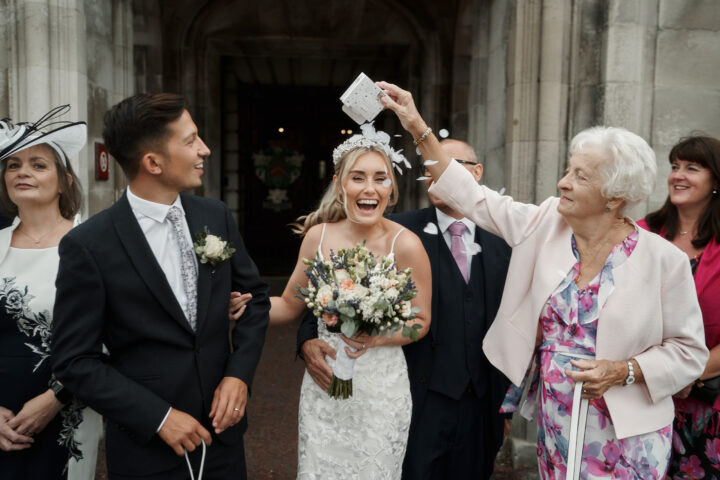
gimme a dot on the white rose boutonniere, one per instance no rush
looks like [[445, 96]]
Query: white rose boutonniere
[[212, 249]]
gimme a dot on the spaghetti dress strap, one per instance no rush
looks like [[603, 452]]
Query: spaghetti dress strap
[[322, 235], [392, 246]]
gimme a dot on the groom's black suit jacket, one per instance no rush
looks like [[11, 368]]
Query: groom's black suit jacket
[[112, 291]]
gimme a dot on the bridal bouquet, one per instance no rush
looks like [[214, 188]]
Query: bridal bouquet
[[355, 292]]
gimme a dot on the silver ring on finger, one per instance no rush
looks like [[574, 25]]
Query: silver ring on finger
[[236, 409], [363, 347]]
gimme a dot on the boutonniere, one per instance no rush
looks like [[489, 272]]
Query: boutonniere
[[431, 229], [211, 248]]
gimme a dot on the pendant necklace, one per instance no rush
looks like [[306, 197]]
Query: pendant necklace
[[39, 239]]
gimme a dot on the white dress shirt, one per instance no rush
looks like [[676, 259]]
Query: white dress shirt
[[468, 237], [160, 235]]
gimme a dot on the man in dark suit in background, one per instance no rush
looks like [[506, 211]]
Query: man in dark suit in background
[[129, 278], [456, 429]]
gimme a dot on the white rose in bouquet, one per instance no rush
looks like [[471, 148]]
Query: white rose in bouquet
[[342, 275], [324, 295]]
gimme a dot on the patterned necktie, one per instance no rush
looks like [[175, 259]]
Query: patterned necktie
[[457, 247], [188, 269]]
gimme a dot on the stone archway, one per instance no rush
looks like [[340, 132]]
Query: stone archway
[[215, 51]]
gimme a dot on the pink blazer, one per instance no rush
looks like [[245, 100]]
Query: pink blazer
[[707, 284], [651, 315]]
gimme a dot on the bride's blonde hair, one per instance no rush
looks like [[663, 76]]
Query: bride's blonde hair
[[332, 204]]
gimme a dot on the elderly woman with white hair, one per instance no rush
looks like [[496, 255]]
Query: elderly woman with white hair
[[599, 321]]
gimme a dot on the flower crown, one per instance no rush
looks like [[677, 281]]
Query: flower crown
[[371, 138]]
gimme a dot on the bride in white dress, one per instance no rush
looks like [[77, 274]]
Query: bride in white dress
[[365, 436]]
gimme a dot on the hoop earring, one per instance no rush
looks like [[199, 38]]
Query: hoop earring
[[715, 192]]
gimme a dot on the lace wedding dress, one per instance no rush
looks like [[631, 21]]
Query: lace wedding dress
[[364, 436]]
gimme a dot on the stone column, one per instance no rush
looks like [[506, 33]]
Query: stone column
[[522, 100], [46, 62], [628, 66], [554, 76]]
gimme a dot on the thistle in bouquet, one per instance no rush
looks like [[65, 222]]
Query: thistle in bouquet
[[356, 292]]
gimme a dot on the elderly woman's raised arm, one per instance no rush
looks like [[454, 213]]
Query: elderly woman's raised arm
[[513, 221]]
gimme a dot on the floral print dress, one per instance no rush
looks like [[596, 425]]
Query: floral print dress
[[696, 436], [569, 323]]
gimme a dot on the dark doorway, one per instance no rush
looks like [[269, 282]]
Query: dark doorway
[[285, 138]]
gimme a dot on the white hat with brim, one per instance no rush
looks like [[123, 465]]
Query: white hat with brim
[[66, 138]]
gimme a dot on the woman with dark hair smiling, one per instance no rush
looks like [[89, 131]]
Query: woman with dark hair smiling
[[38, 418], [690, 219]]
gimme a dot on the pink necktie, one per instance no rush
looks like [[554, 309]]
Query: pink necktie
[[457, 247]]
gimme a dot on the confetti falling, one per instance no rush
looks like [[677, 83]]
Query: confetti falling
[[444, 133], [428, 163]]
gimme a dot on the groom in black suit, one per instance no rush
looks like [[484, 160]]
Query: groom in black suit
[[456, 430], [174, 376]]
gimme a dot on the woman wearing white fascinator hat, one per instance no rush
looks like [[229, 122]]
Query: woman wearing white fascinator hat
[[39, 435]]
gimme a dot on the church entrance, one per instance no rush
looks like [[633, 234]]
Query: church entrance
[[284, 137]]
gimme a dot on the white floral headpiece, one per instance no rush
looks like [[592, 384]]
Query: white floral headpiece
[[371, 138]]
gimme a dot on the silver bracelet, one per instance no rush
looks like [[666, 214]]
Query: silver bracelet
[[422, 137]]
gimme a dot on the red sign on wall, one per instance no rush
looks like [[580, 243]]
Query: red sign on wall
[[102, 162]]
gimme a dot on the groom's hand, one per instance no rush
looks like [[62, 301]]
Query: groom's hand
[[314, 351], [182, 432], [228, 406]]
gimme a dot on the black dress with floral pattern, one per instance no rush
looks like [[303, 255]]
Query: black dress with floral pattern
[[24, 374]]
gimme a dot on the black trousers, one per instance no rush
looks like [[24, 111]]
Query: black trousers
[[450, 439], [222, 462]]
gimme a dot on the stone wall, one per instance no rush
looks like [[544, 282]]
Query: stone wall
[[686, 97], [541, 71]]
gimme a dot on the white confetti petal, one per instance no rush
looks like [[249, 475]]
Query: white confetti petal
[[387, 183], [444, 133], [423, 178], [474, 249], [431, 229], [417, 151], [397, 135], [502, 191], [428, 163], [561, 273]]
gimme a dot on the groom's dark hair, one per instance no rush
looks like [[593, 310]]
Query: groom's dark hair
[[139, 124]]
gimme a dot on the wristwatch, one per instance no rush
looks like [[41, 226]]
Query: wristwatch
[[631, 374], [62, 394]]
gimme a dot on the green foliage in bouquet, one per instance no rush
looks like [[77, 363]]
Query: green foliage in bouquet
[[366, 294]]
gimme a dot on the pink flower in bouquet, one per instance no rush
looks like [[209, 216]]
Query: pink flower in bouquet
[[347, 285], [330, 320]]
